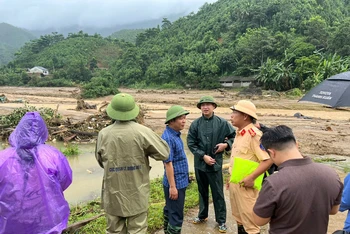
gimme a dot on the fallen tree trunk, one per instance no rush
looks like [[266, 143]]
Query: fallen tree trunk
[[75, 226], [60, 131], [67, 139], [83, 133]]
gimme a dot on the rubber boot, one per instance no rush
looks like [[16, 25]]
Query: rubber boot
[[173, 229], [165, 223]]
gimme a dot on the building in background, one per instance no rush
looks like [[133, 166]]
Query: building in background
[[236, 81], [38, 70]]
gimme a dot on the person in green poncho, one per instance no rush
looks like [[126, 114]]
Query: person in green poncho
[[208, 137]]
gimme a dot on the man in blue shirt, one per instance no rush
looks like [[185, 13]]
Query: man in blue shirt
[[175, 179]]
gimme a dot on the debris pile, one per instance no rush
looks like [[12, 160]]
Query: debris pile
[[65, 130], [86, 130], [83, 131], [301, 116], [250, 91], [3, 98], [82, 105]]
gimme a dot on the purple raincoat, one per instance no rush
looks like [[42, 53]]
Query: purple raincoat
[[33, 177]]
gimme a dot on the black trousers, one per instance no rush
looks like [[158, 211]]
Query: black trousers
[[215, 181], [174, 209]]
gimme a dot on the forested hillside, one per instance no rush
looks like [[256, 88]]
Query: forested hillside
[[286, 44], [7, 53], [11, 39], [78, 59], [128, 35]]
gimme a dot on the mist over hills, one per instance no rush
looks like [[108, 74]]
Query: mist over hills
[[11, 39], [14, 36], [22, 24], [106, 31], [284, 45]]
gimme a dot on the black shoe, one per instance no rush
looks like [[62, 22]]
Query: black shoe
[[198, 220]]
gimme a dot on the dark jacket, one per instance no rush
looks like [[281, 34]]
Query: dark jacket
[[199, 144]]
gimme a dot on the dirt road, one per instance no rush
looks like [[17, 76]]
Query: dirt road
[[324, 133]]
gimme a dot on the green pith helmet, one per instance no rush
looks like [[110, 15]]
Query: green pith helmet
[[246, 107], [123, 107], [174, 112], [206, 99]]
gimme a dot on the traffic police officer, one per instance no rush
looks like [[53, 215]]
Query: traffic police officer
[[246, 146]]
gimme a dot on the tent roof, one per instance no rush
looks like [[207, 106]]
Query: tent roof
[[341, 76]]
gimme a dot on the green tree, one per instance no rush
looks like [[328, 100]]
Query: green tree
[[166, 23], [253, 48], [98, 87], [278, 75], [340, 39], [93, 64], [79, 72], [316, 31]]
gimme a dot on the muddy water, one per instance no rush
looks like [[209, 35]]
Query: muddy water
[[87, 174]]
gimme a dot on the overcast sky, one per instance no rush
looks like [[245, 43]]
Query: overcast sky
[[42, 14]]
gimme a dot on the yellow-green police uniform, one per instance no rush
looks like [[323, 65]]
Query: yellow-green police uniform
[[246, 146]]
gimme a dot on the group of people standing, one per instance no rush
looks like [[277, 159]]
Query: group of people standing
[[297, 199]]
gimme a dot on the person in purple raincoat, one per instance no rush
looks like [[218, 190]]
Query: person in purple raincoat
[[33, 176]]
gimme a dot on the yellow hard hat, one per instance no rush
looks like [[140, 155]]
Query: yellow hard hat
[[246, 107]]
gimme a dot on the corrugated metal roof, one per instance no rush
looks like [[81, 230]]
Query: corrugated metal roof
[[237, 78]]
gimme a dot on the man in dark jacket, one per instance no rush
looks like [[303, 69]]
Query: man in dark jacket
[[208, 137]]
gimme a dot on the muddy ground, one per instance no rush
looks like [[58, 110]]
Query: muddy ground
[[324, 132]]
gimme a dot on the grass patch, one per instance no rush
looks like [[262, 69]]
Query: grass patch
[[144, 85], [293, 93], [322, 160], [155, 212], [346, 169], [71, 150]]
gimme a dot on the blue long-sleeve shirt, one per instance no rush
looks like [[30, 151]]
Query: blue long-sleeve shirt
[[178, 157], [345, 202]]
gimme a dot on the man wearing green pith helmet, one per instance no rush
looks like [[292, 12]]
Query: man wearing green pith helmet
[[175, 179], [208, 137], [122, 149]]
